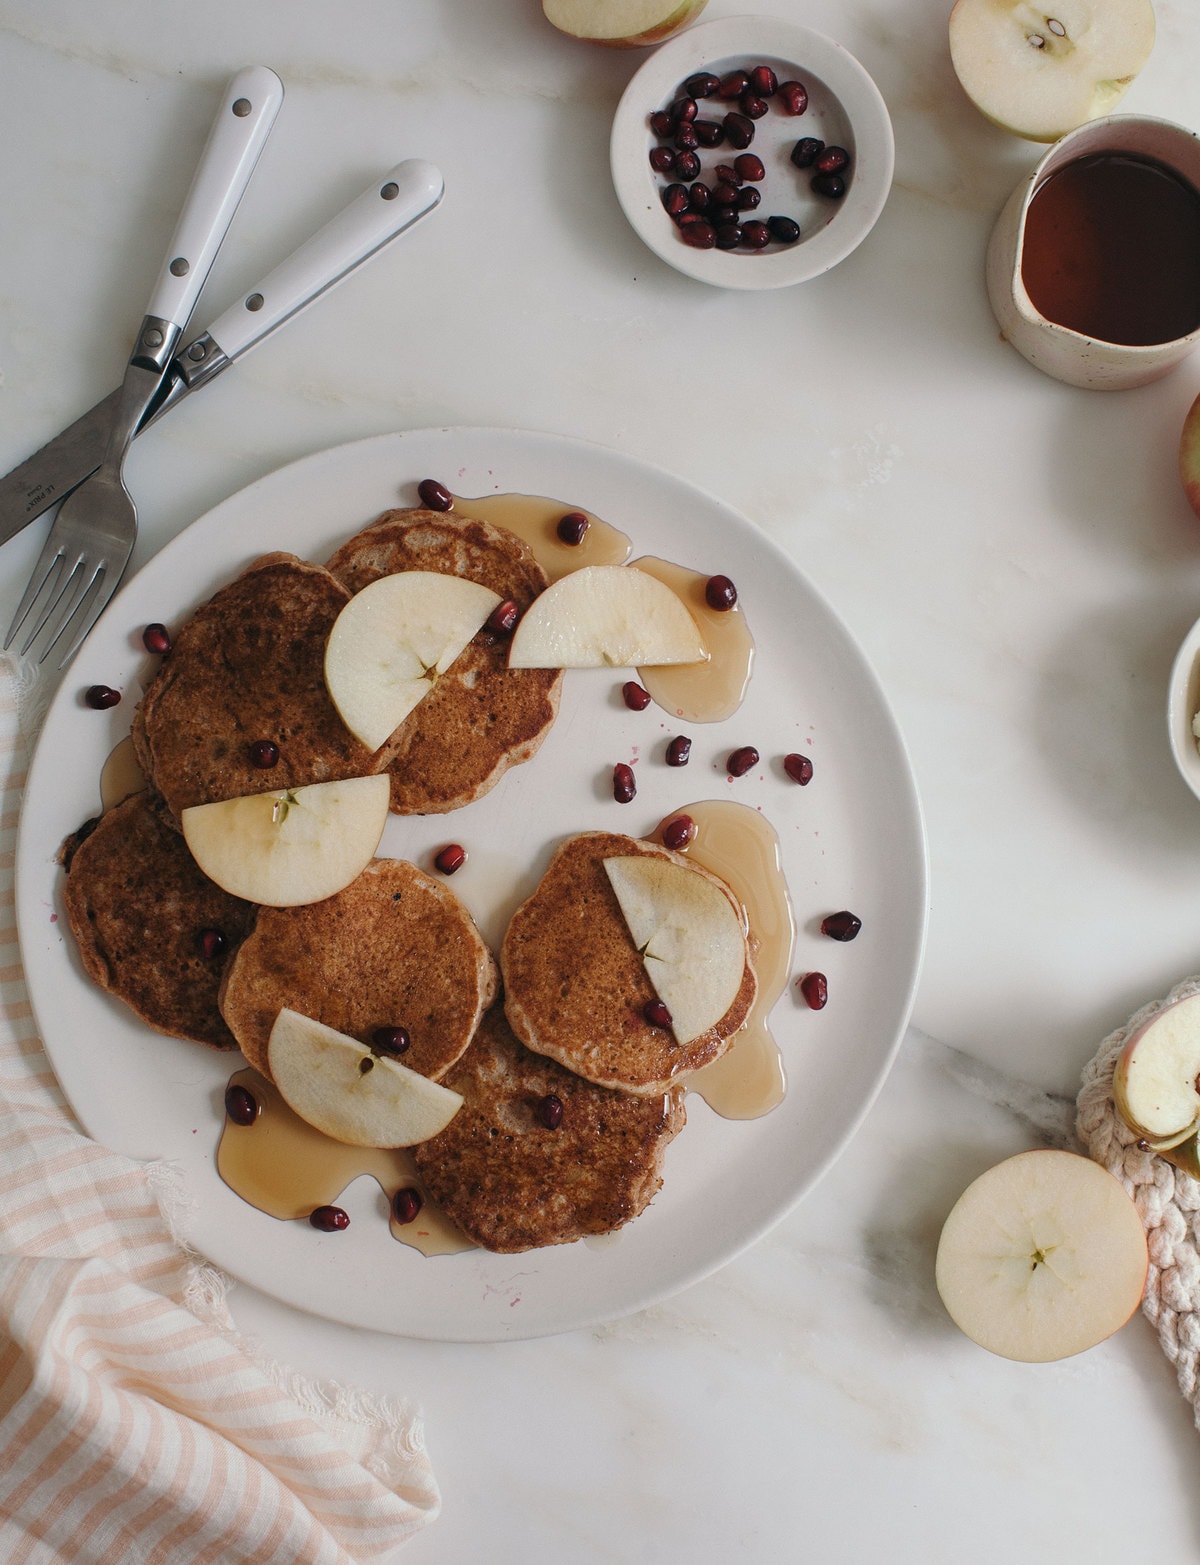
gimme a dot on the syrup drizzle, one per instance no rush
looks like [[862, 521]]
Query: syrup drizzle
[[120, 775], [701, 692], [534, 518]]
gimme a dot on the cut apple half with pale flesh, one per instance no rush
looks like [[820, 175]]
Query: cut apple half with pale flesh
[[291, 846], [340, 1087], [392, 640], [1155, 1080], [606, 616], [690, 936], [621, 24], [1039, 71], [1042, 1257]]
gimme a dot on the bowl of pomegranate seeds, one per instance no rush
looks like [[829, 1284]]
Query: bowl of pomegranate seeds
[[750, 152]]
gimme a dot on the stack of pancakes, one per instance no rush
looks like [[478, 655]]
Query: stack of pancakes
[[396, 947]]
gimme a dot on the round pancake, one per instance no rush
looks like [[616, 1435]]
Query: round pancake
[[481, 717], [249, 665], [512, 1184], [396, 948], [575, 985], [137, 903]]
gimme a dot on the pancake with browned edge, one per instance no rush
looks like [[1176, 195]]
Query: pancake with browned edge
[[138, 906], [509, 1180], [396, 948], [576, 987], [480, 717]]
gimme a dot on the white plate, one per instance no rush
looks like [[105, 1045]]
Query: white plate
[[851, 838], [845, 109]]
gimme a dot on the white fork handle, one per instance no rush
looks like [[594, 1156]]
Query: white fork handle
[[243, 123], [383, 211]]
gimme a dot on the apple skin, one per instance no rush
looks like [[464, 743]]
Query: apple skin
[[1185, 1156], [675, 20], [1189, 456], [1155, 1075]]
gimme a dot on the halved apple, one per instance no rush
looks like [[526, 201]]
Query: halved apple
[[392, 640], [1155, 1079], [690, 936], [293, 845], [621, 24], [606, 616], [1041, 70], [1041, 1257], [341, 1088]]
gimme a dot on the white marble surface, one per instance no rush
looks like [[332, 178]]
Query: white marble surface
[[1016, 558]]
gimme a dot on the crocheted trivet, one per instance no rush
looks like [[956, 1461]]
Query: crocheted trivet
[[1167, 1200]]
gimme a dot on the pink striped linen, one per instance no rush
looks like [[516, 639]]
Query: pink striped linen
[[135, 1426]]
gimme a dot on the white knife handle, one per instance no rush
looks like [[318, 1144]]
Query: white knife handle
[[392, 204], [239, 133]]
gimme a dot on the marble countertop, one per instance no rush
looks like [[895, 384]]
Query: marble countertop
[[1015, 557]]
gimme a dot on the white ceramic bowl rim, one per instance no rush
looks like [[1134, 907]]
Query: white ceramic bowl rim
[[718, 45]]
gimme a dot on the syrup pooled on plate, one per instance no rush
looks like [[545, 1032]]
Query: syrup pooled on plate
[[701, 692], [739, 846], [535, 519]]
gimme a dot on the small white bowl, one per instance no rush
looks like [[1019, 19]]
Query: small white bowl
[[845, 109], [1183, 702]]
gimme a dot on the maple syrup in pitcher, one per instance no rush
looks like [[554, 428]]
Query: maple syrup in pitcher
[[1112, 250]]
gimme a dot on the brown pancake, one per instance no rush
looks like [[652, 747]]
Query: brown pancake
[[575, 986], [396, 948], [481, 717], [137, 903], [249, 665], [511, 1183]]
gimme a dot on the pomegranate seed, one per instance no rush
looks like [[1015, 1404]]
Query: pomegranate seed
[[675, 197], [799, 768], [832, 159], [572, 528], [241, 1106], [725, 194], [728, 175], [722, 215], [729, 236], [329, 1219], [794, 96], [748, 165], [634, 697], [702, 85], [685, 139], [406, 1204], [804, 153], [701, 235], [748, 198], [101, 697], [503, 619], [739, 131], [435, 496], [662, 160], [785, 229], [815, 989], [661, 123], [687, 165], [740, 761], [212, 943], [709, 133], [624, 783], [841, 926], [391, 1040], [157, 638], [550, 1111], [700, 196], [656, 1014], [831, 185], [752, 106], [451, 859], [678, 833], [720, 593], [732, 85], [756, 235], [679, 751], [763, 80], [264, 753], [683, 110]]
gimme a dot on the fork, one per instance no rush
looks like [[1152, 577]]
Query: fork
[[84, 558]]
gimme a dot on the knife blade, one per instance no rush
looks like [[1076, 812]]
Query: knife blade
[[385, 210]]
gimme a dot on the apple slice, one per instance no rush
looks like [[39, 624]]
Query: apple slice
[[293, 845], [606, 616], [325, 1077], [1041, 71], [392, 640], [1155, 1077], [621, 24], [690, 935], [1042, 1257]]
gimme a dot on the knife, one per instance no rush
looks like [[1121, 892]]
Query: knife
[[385, 210]]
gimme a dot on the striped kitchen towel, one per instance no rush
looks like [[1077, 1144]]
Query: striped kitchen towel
[[135, 1426]]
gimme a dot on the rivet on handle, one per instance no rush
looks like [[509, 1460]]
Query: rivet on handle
[[242, 107]]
